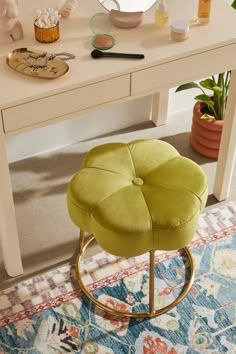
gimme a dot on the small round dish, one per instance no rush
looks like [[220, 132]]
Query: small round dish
[[22, 60], [101, 25]]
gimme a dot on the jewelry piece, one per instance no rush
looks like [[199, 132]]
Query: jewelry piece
[[42, 64], [63, 56]]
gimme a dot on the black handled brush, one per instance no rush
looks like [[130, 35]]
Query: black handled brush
[[96, 54]]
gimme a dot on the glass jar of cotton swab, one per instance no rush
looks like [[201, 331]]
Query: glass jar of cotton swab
[[46, 25]]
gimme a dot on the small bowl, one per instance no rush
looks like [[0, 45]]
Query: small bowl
[[47, 35]]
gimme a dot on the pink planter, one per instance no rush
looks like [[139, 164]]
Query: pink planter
[[206, 134]]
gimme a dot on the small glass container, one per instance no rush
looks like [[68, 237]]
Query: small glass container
[[101, 25], [46, 35], [179, 30], [204, 10]]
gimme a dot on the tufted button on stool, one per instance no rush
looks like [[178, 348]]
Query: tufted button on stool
[[136, 198]]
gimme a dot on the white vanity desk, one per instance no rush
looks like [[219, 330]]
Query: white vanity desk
[[27, 103]]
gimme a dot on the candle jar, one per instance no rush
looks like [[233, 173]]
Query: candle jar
[[47, 35]]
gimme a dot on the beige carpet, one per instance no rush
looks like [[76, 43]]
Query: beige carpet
[[47, 235]]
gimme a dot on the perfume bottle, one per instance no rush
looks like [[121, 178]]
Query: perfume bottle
[[204, 9], [162, 14]]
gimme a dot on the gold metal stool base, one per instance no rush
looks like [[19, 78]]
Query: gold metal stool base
[[152, 312]]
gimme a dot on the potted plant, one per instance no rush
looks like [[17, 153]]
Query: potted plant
[[208, 112]]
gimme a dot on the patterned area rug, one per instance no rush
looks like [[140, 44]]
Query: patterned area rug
[[48, 314]]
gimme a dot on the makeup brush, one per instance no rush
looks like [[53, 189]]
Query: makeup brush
[[96, 54]]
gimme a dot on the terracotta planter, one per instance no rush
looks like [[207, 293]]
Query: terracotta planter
[[206, 134]]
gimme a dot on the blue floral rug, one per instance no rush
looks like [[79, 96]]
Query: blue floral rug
[[48, 314]]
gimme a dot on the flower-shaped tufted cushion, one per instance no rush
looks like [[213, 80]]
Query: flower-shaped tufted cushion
[[137, 197]]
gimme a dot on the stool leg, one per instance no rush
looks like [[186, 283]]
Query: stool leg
[[81, 241], [151, 281], [152, 312]]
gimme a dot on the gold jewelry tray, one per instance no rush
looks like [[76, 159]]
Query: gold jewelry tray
[[20, 61]]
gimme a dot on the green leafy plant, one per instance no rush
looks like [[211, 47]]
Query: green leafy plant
[[213, 105]]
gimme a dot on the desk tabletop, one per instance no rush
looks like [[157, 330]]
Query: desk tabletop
[[76, 35]]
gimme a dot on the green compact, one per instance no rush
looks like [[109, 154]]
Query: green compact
[[101, 25]]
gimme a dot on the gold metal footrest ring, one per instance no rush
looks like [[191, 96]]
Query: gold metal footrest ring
[[152, 312]]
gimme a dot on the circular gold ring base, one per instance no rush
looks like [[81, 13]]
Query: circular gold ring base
[[152, 312]]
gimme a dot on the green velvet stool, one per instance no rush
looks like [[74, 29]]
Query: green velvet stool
[[136, 198]]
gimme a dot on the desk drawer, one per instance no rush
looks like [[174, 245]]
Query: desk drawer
[[65, 103], [184, 70]]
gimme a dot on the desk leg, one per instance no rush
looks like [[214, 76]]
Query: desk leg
[[8, 230], [160, 107], [225, 164]]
